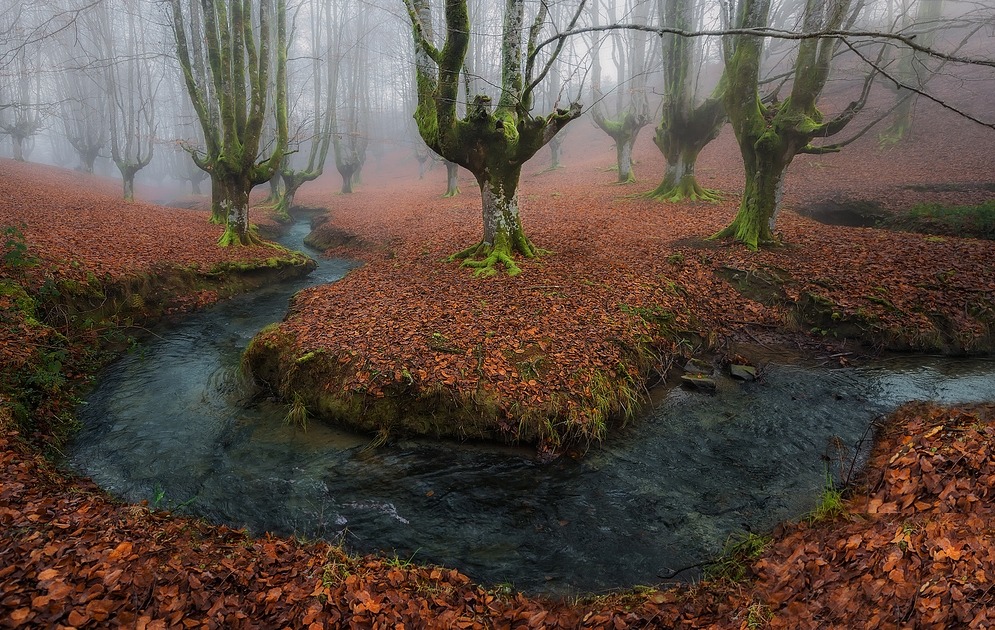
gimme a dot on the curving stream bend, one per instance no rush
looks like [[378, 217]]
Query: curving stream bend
[[173, 424]]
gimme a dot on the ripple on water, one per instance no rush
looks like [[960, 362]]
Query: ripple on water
[[173, 422]]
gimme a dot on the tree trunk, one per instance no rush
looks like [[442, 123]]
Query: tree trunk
[[86, 159], [218, 214], [346, 173], [555, 147], [286, 202], [235, 204], [503, 233], [623, 157], [195, 186], [452, 179], [18, 143], [679, 181], [128, 179], [765, 170], [901, 124]]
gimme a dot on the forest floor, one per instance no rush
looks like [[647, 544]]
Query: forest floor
[[912, 545], [556, 355]]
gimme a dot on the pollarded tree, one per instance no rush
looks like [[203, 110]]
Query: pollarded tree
[[631, 112], [912, 66], [770, 134], [227, 78], [22, 111], [132, 86], [686, 125], [83, 112], [314, 126], [492, 142]]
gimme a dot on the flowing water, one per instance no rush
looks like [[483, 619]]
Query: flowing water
[[173, 424]]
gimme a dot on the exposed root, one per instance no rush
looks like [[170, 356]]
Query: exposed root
[[484, 258], [452, 192], [688, 189], [231, 238], [751, 238]]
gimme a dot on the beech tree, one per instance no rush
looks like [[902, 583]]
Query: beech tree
[[83, 113], [314, 114], [771, 133], [686, 124], [132, 84], [492, 141], [228, 50], [22, 107], [631, 106], [350, 96], [912, 67]]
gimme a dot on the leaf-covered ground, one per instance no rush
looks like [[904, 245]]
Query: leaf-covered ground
[[915, 548], [631, 282]]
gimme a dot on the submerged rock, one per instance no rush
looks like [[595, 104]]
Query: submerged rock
[[743, 372], [699, 381], [697, 366]]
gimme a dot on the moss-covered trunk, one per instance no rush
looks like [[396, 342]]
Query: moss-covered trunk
[[555, 152], [765, 170], [503, 233], [128, 180], [234, 202], [681, 135], [623, 158]]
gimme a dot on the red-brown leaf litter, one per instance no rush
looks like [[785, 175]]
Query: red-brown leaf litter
[[913, 547]]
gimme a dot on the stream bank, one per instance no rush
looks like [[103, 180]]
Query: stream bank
[[176, 425]]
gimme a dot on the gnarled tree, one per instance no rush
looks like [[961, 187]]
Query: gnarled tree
[[631, 106], [686, 126], [491, 141], [770, 134], [227, 79], [314, 122]]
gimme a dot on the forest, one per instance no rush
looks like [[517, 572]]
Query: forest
[[473, 314]]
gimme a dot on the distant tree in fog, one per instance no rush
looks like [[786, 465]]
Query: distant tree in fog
[[131, 79], [228, 51], [350, 87], [312, 111], [623, 114], [687, 122]]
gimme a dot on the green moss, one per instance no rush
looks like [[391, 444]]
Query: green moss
[[22, 301]]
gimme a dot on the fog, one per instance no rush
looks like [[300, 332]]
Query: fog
[[97, 85]]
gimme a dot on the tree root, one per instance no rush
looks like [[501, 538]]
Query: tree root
[[451, 193], [231, 238], [484, 259], [687, 189], [752, 241]]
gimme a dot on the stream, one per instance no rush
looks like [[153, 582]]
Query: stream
[[174, 423]]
